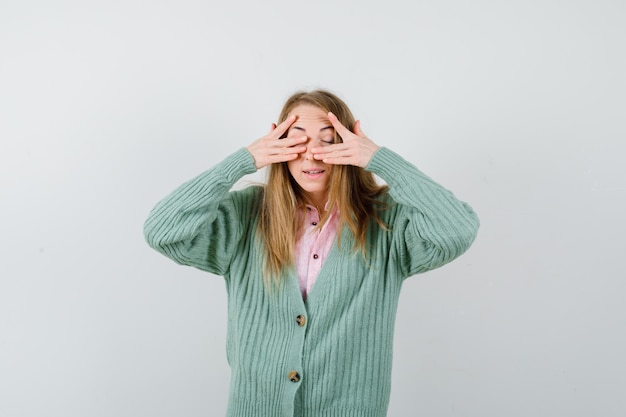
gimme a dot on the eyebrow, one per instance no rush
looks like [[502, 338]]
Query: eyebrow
[[321, 130]]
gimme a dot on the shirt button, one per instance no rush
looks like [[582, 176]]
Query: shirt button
[[315, 256], [301, 320], [314, 223], [294, 376]]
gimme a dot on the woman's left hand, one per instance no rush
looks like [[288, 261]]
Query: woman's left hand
[[356, 148]]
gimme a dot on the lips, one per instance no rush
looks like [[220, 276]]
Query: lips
[[313, 174]]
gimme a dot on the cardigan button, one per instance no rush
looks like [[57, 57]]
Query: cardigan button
[[315, 256], [301, 320], [294, 376]]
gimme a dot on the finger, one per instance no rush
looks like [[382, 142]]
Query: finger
[[288, 142], [357, 129], [286, 154], [282, 128], [327, 154], [343, 131], [294, 149], [329, 149], [272, 128], [287, 146], [278, 158], [340, 160]]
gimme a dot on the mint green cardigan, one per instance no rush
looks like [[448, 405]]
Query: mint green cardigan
[[331, 355]]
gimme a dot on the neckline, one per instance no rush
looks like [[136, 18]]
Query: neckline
[[323, 279]]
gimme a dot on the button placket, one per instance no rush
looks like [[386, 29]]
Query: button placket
[[314, 217]]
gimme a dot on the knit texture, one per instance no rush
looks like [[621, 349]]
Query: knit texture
[[342, 351]]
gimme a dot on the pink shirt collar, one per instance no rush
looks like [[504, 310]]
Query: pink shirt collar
[[313, 246]]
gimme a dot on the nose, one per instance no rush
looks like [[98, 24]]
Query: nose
[[308, 155]]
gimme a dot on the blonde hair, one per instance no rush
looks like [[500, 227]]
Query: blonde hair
[[351, 189]]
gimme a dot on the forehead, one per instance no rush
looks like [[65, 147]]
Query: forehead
[[309, 114]]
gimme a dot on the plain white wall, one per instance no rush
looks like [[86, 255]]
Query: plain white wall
[[518, 107]]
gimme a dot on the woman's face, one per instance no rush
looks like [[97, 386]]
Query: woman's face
[[311, 175]]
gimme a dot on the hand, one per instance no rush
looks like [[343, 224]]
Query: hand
[[271, 149], [356, 149]]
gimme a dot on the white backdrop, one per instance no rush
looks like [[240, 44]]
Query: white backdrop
[[516, 106]]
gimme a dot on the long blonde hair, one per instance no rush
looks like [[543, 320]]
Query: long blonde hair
[[351, 189]]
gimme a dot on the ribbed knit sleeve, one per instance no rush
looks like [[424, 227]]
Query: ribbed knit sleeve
[[200, 223], [431, 227]]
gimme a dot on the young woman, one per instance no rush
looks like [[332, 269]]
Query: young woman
[[314, 260]]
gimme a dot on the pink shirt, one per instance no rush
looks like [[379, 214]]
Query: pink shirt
[[313, 247]]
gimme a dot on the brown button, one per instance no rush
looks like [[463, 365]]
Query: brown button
[[294, 376], [301, 320], [315, 256]]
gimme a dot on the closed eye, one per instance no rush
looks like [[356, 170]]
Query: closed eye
[[328, 138]]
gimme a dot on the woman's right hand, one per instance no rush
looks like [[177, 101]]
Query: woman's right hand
[[271, 149]]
